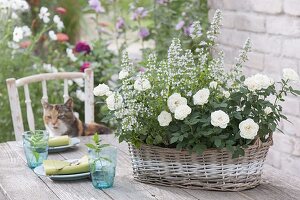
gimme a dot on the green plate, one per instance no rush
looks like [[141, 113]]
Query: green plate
[[67, 177], [73, 142]]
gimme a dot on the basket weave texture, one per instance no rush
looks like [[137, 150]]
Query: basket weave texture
[[213, 170]]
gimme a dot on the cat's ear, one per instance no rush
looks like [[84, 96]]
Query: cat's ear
[[69, 103], [45, 104]]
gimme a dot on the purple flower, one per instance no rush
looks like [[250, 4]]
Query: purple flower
[[142, 69], [84, 66], [162, 2], [96, 5], [139, 13], [120, 23], [179, 25], [144, 32], [82, 47], [187, 30]]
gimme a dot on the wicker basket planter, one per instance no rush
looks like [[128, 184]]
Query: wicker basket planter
[[214, 170]]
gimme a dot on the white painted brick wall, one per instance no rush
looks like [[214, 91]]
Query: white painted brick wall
[[274, 27]]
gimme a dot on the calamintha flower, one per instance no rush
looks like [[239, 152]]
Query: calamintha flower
[[96, 5], [144, 32]]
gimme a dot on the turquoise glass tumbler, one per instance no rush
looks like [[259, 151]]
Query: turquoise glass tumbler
[[35, 145], [103, 167]]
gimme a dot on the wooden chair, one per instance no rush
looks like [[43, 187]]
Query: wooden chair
[[13, 84]]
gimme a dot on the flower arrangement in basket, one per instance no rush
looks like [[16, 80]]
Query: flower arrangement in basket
[[190, 123]]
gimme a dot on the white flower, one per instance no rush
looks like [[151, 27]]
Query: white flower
[[114, 101], [17, 5], [44, 15], [226, 94], [268, 110], [176, 100], [79, 81], [219, 119], [290, 74], [123, 74], [52, 35], [101, 90], [258, 82], [142, 84], [248, 129], [71, 55], [49, 68], [80, 95], [13, 45], [164, 118], [18, 34], [58, 22], [182, 111], [201, 97], [213, 84], [26, 31]]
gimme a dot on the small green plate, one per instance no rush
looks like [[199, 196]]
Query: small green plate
[[67, 177]]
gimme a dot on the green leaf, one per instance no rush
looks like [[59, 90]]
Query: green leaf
[[173, 140], [218, 142], [199, 148], [91, 146], [96, 138]]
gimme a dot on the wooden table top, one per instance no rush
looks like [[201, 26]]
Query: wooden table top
[[18, 182]]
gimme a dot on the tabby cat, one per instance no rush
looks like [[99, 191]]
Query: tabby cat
[[59, 119]]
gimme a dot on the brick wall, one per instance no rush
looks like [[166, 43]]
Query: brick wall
[[274, 28]]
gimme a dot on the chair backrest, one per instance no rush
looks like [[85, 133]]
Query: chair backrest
[[13, 84]]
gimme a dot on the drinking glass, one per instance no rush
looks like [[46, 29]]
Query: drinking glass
[[35, 145], [103, 166]]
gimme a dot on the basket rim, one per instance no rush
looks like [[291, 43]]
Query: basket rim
[[257, 145]]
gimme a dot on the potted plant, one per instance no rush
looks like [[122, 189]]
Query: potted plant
[[189, 123]]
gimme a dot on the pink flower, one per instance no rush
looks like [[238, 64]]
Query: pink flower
[[82, 47], [84, 66], [60, 10], [179, 25], [61, 37]]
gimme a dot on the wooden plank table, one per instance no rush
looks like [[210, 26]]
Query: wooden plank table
[[18, 182]]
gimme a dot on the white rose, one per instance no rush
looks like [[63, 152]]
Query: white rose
[[268, 110], [123, 74], [226, 94], [114, 101], [176, 100], [164, 118], [290, 74], [142, 84], [201, 97], [219, 119], [182, 111], [258, 82], [101, 90], [213, 84], [248, 129]]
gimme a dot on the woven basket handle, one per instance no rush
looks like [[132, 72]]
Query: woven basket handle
[[259, 143]]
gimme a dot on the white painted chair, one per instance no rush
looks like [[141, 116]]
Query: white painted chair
[[13, 84]]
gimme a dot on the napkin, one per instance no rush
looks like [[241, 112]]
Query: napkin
[[54, 167], [59, 141]]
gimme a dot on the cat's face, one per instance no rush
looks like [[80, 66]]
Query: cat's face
[[57, 117]]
